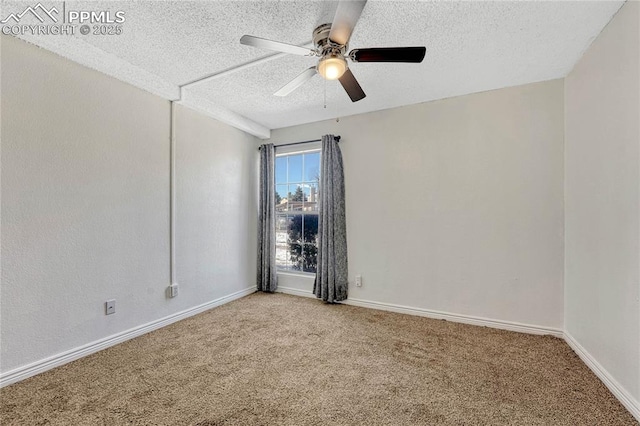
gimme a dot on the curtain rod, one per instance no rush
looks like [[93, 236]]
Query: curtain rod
[[298, 143]]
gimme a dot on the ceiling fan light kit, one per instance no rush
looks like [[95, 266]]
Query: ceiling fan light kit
[[332, 67], [331, 41]]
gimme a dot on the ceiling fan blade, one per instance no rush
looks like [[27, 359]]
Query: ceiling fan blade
[[351, 86], [345, 19], [389, 54], [263, 43], [297, 82]]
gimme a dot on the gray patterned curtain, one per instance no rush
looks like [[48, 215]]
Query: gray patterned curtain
[[331, 276], [267, 278]]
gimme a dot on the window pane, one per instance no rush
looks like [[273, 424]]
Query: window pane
[[311, 202], [281, 198], [281, 170], [282, 256], [310, 256], [311, 228], [282, 227], [296, 197], [295, 257], [295, 168], [312, 167], [282, 244], [295, 229]]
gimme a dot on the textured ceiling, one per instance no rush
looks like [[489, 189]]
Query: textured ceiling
[[470, 47]]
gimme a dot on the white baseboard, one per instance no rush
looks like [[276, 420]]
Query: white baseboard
[[625, 398], [295, 292], [429, 313], [43, 365]]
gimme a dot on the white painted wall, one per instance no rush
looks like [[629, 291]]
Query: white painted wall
[[216, 208], [456, 205], [602, 185], [85, 206]]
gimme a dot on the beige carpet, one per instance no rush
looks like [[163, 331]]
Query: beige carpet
[[283, 360]]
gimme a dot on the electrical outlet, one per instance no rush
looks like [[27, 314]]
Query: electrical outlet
[[110, 307], [358, 280], [173, 290]]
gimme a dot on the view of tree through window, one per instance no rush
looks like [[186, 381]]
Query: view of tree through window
[[297, 178]]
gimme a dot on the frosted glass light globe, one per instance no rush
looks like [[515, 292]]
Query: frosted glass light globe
[[332, 67]]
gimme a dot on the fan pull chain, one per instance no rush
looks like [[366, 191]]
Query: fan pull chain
[[325, 93], [337, 96]]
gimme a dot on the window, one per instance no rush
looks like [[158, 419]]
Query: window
[[297, 179]]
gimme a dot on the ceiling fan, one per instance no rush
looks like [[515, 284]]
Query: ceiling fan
[[331, 45]]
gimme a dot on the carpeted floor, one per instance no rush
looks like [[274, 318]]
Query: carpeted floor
[[283, 360]]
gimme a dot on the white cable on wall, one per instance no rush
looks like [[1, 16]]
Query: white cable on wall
[[172, 193]]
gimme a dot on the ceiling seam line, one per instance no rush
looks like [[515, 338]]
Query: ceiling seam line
[[236, 68]]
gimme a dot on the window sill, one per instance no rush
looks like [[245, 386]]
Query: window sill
[[297, 274]]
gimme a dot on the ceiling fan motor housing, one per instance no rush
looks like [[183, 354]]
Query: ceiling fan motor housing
[[332, 63], [326, 47]]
